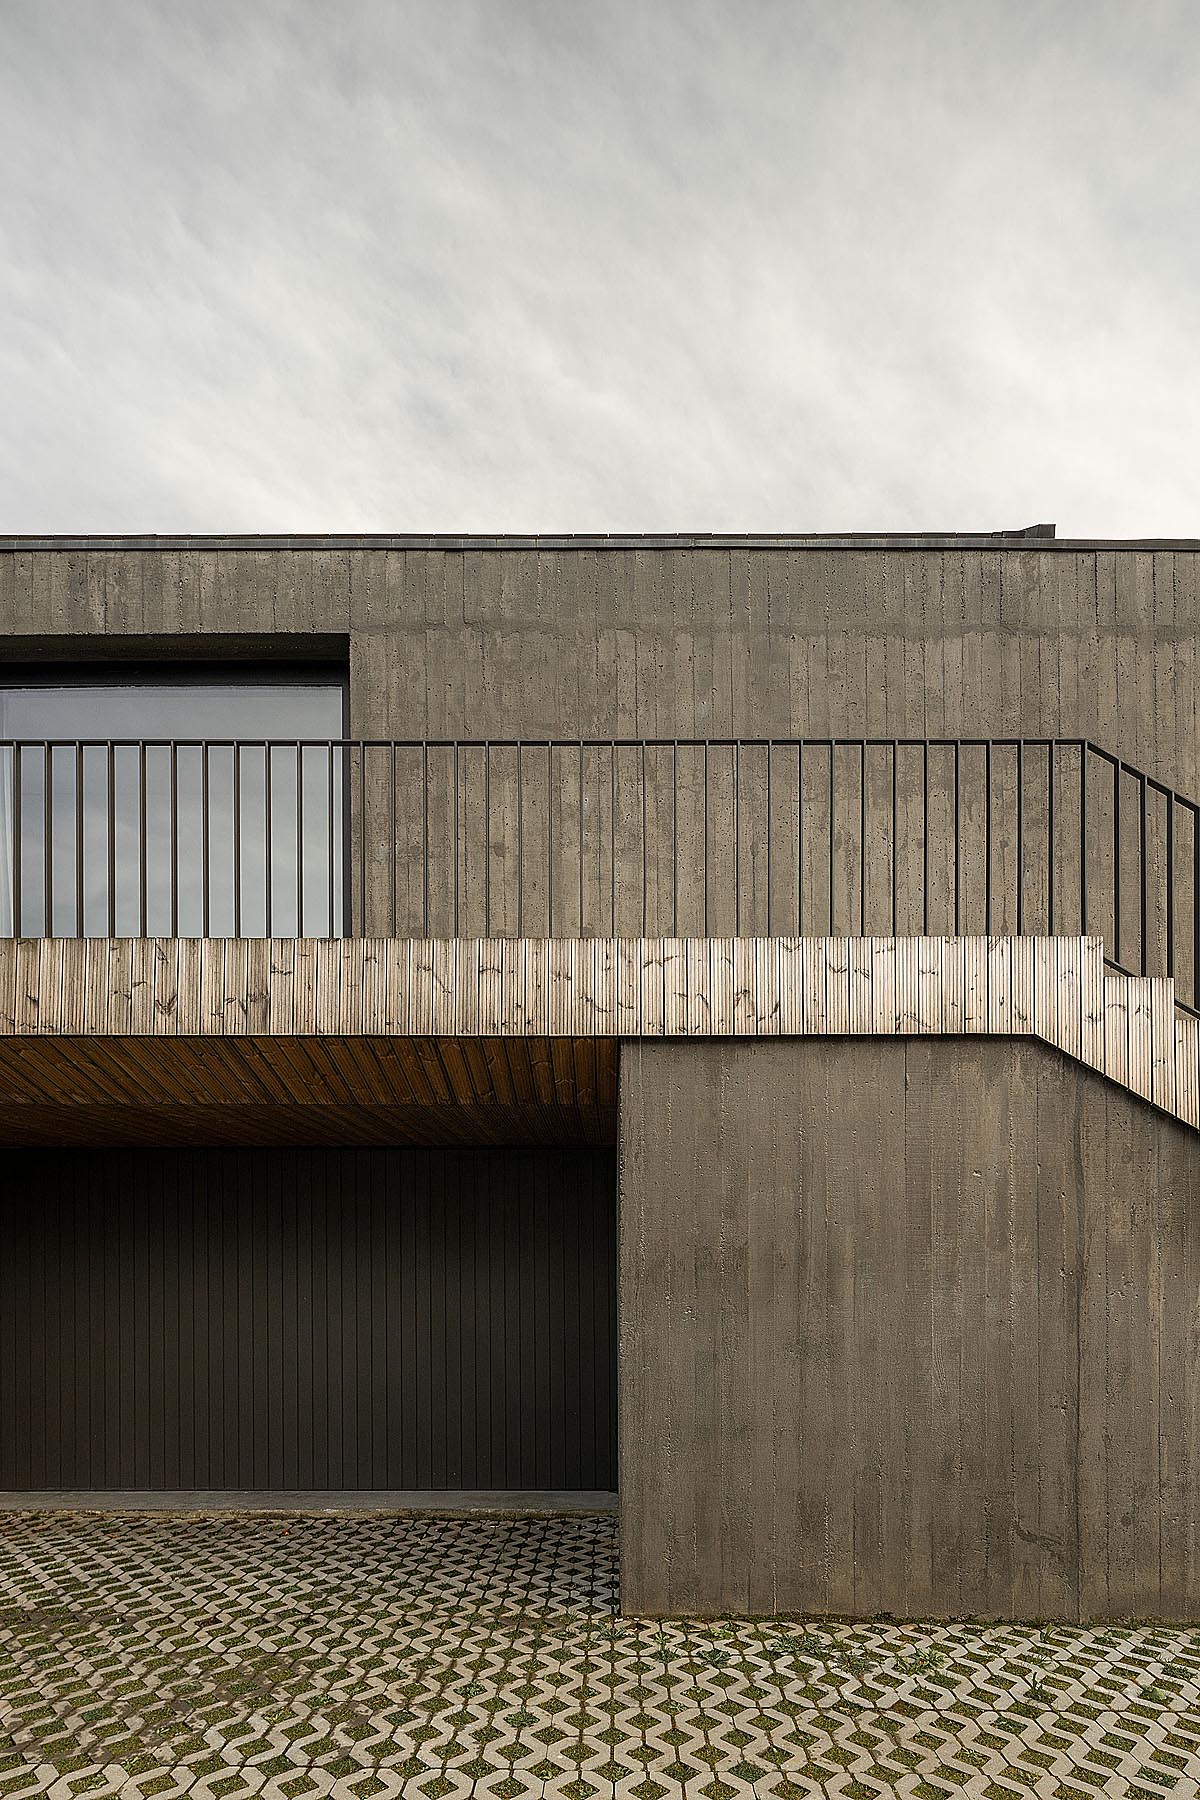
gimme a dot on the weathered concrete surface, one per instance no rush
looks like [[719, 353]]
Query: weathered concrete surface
[[664, 641], [907, 1327], [908, 642]]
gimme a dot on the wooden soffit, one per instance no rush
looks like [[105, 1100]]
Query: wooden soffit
[[294, 1090]]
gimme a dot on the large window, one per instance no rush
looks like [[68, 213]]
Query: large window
[[171, 803]]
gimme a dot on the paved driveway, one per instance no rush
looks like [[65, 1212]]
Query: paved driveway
[[433, 1657]]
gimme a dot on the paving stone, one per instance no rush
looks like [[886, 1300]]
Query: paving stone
[[252, 1657]]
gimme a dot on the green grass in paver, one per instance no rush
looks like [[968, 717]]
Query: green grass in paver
[[489, 1649]]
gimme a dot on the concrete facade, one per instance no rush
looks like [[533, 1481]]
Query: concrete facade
[[456, 638], [909, 1324], [734, 639], [907, 1327]]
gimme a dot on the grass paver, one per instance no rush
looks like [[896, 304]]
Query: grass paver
[[364, 1655]]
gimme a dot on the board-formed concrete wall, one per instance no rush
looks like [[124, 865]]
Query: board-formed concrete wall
[[907, 1327], [740, 640], [675, 641]]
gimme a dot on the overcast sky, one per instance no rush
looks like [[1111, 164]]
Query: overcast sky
[[842, 265]]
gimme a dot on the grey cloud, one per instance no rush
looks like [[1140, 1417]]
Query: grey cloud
[[529, 266]]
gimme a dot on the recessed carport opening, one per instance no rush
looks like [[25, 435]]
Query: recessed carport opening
[[307, 1266]]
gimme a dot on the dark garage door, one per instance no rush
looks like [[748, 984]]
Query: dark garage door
[[309, 1319]]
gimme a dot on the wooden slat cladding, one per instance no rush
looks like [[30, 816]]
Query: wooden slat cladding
[[544, 988], [303, 1006], [907, 1328], [308, 1320]]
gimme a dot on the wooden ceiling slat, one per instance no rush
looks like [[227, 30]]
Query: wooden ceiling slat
[[478, 1072], [33, 1127], [459, 1072], [349, 1076], [435, 1062], [420, 1086], [297, 1071], [562, 1068], [113, 1070], [267, 1089], [384, 1074], [346, 1071], [492, 1051]]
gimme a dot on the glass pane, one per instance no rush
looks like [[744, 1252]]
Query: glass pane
[[172, 808]]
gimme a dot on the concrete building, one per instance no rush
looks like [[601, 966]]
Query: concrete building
[[711, 1020]]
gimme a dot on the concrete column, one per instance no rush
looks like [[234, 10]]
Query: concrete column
[[907, 1327]]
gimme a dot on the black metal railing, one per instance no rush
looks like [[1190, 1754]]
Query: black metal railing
[[621, 836]]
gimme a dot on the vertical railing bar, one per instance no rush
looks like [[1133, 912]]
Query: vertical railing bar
[[48, 839], [18, 845], [957, 839], [645, 854], [800, 837], [862, 839], [143, 859], [456, 772], [1145, 860], [1020, 835], [737, 838], [394, 886], [549, 840], [895, 839], [1116, 861], [425, 840], [348, 749], [174, 840], [205, 833], [112, 839], [987, 838], [487, 839], [705, 849], [1170, 919], [300, 838], [612, 838], [830, 872], [268, 862], [1195, 906], [768, 834], [331, 839], [675, 838], [79, 884], [520, 843], [1051, 848], [520, 848], [925, 834], [237, 840], [580, 844], [1083, 842]]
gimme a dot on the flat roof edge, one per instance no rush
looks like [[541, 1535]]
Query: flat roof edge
[[1039, 538]]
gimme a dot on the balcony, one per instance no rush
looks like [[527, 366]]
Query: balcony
[[600, 838]]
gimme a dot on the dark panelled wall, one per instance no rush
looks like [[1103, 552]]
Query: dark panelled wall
[[308, 1319]]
